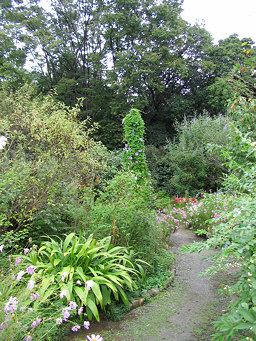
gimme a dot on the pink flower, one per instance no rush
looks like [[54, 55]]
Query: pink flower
[[31, 269], [75, 328], [31, 284], [80, 310], [78, 282], [26, 251], [65, 314], [11, 305], [17, 261], [36, 322], [72, 305], [63, 276], [34, 297], [28, 338]]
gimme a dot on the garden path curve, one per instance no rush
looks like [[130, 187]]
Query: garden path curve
[[181, 313]]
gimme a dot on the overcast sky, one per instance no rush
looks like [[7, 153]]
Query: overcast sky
[[223, 17]]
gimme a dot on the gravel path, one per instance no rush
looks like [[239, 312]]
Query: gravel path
[[177, 313]]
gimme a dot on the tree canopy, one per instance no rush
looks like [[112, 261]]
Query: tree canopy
[[118, 54]]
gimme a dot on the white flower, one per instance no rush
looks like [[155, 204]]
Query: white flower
[[11, 305], [89, 284], [63, 276], [3, 141], [86, 324], [59, 321], [31, 284], [94, 337], [1, 247], [63, 293], [20, 274]]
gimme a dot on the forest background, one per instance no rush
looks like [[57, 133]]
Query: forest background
[[116, 55]]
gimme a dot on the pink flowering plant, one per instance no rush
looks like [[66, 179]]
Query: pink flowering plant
[[195, 214], [22, 315], [235, 230]]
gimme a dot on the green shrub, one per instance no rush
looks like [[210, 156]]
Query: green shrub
[[189, 166], [124, 211], [63, 281], [71, 264], [49, 166]]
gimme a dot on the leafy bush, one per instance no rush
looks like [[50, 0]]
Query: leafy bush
[[195, 167], [162, 200], [124, 211], [47, 165], [71, 264], [189, 166], [64, 281]]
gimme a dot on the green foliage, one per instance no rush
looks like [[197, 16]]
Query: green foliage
[[71, 263], [234, 230], [134, 151], [240, 153], [189, 165], [48, 165], [16, 324], [123, 210], [162, 200]]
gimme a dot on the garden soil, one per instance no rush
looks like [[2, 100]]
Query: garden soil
[[184, 312]]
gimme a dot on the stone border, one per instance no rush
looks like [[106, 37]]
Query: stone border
[[152, 292]]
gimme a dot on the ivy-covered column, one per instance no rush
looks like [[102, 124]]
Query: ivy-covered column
[[134, 149]]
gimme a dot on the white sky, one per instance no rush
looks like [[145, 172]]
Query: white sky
[[223, 17]]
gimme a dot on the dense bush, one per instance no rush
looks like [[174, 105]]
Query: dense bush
[[124, 211], [189, 165], [47, 165]]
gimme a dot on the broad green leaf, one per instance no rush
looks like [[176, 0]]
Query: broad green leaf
[[67, 241], [123, 296], [97, 292], [247, 315], [92, 306], [80, 272], [82, 294]]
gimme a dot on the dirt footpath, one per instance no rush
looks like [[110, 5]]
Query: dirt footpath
[[182, 313]]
